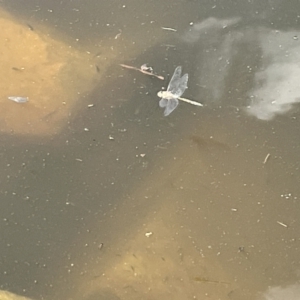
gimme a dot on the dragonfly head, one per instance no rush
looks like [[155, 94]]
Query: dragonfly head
[[159, 94]]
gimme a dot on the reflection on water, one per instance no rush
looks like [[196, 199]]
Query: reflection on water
[[276, 86], [275, 73], [291, 292], [127, 204]]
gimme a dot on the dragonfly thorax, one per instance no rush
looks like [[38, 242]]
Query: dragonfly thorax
[[165, 95]]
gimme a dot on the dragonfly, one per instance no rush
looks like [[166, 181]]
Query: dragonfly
[[177, 86]]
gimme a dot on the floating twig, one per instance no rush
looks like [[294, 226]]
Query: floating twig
[[266, 158], [282, 224], [142, 70], [30, 27], [119, 34], [205, 280], [169, 28]]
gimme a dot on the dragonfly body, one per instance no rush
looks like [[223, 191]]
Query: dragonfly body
[[177, 86], [165, 95]]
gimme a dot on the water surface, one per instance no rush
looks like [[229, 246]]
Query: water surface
[[124, 203]]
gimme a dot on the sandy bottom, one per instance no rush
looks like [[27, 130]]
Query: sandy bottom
[[53, 76]]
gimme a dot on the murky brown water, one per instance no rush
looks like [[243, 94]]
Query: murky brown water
[[120, 202]]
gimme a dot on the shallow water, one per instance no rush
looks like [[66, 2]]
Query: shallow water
[[124, 203]]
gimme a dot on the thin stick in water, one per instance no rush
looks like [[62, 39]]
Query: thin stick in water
[[266, 158], [142, 71]]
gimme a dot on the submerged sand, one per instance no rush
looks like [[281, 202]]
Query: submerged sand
[[51, 73]]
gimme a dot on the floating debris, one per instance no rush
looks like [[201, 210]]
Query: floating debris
[[18, 99], [146, 68], [169, 28], [30, 27], [282, 224], [142, 69], [266, 158], [119, 34], [18, 69], [148, 234], [203, 279]]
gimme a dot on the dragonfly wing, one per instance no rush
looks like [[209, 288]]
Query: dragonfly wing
[[181, 86], [178, 84], [163, 102], [171, 105], [175, 76], [174, 82]]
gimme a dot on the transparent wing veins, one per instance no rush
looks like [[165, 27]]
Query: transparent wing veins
[[178, 84]]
